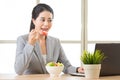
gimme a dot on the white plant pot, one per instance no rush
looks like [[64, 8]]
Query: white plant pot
[[92, 70]]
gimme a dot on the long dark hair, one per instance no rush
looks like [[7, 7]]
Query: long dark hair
[[37, 10]]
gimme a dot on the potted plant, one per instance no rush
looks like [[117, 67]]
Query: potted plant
[[92, 63]]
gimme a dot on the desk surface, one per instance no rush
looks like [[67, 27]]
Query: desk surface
[[47, 77]]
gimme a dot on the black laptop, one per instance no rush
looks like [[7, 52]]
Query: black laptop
[[111, 65]]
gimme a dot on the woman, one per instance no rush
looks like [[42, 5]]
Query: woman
[[36, 49]]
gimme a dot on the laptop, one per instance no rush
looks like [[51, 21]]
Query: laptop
[[78, 74], [111, 65]]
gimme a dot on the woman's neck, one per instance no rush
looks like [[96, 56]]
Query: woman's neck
[[42, 42], [42, 38]]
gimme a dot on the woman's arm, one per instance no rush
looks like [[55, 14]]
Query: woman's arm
[[23, 55], [68, 68]]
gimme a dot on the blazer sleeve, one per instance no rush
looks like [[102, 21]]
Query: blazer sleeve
[[23, 55], [68, 68]]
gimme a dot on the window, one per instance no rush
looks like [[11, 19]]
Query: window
[[15, 20], [103, 22]]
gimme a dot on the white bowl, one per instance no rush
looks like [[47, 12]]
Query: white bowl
[[54, 71]]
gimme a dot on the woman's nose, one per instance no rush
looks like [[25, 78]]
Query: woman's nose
[[46, 23]]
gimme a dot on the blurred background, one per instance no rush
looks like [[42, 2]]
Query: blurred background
[[79, 24]]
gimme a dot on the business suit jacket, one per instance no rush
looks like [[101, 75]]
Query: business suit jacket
[[29, 58]]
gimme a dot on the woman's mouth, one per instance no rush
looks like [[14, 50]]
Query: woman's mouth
[[44, 33], [44, 29]]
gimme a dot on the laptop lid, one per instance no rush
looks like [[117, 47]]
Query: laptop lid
[[110, 65]]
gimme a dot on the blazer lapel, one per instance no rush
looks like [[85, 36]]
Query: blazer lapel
[[49, 54], [37, 50], [49, 50]]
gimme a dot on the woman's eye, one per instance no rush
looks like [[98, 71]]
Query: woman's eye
[[50, 20], [42, 20]]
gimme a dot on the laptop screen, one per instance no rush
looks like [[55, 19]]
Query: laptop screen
[[111, 64]]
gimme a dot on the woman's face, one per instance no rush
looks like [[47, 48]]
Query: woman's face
[[43, 22]]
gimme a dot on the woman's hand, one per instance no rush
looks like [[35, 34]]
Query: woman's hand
[[33, 37], [80, 70]]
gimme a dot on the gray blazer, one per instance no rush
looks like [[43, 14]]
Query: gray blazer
[[29, 59]]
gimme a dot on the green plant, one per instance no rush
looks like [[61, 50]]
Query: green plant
[[92, 58]]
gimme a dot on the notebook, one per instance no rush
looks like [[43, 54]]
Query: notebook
[[111, 65]]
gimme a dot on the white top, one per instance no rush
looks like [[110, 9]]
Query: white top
[[44, 58]]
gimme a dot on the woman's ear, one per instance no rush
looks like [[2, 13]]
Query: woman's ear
[[33, 20]]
